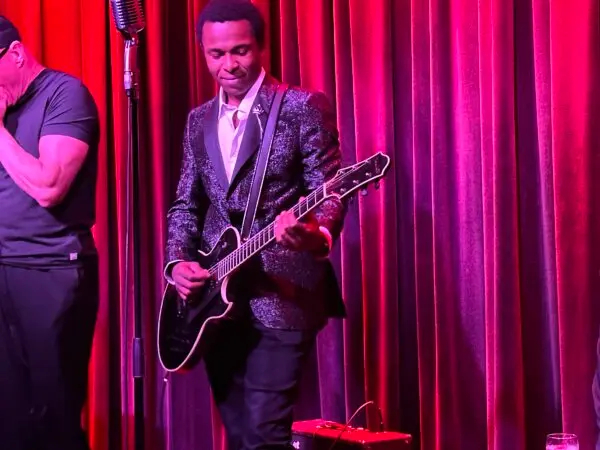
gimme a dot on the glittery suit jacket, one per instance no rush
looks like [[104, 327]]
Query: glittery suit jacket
[[282, 288]]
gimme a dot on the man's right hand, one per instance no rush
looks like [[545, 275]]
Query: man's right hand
[[188, 277]]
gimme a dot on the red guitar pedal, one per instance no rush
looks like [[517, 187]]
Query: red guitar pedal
[[325, 435]]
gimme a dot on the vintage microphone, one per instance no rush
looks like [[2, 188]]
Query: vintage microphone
[[129, 19]]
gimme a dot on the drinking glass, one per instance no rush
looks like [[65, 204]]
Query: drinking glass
[[562, 441]]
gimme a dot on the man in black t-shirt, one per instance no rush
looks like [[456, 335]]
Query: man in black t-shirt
[[49, 135]]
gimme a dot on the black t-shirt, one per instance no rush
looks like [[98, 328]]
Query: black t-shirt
[[30, 235]]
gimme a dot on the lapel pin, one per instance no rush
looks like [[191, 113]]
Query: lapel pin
[[258, 110]]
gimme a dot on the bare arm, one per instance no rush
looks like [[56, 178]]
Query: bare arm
[[70, 126], [48, 178]]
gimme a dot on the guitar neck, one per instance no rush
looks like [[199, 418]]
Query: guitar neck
[[264, 237]]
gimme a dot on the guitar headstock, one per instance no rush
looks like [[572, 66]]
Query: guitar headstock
[[358, 176]]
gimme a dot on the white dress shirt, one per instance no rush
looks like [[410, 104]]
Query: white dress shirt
[[230, 136]]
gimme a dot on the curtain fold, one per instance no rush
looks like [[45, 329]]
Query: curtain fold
[[470, 276]]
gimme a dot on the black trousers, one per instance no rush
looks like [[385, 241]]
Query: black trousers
[[47, 320], [254, 373], [596, 394]]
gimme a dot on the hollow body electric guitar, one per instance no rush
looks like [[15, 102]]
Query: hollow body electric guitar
[[185, 326]]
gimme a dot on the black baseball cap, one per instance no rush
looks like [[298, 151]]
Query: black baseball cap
[[8, 32]]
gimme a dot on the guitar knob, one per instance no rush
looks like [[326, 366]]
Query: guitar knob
[[363, 192]]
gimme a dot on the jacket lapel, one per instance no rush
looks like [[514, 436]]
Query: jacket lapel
[[211, 143], [257, 121]]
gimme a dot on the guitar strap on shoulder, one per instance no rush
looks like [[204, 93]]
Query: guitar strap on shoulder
[[261, 162]]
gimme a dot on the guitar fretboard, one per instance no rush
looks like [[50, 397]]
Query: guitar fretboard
[[261, 239]]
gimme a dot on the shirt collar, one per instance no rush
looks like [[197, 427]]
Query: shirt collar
[[248, 99]]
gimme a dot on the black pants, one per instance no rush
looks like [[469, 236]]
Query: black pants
[[47, 320], [596, 394], [254, 374]]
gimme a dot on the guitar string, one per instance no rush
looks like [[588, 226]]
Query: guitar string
[[227, 264], [264, 235], [223, 264]]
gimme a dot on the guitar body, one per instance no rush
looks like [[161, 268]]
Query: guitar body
[[185, 327]]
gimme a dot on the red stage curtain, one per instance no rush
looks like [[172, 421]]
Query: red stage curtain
[[471, 276]]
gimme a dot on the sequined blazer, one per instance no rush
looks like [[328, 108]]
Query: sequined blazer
[[280, 287]]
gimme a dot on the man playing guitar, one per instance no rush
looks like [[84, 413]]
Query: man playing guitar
[[288, 291]]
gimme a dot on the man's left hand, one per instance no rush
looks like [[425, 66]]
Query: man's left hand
[[300, 236]]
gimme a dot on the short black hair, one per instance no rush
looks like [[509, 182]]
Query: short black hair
[[231, 11]]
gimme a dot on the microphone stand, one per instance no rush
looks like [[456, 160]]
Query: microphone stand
[[131, 80]]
